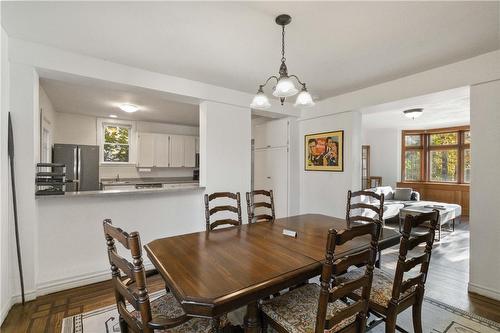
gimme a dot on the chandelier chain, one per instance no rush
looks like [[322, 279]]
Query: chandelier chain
[[283, 59]]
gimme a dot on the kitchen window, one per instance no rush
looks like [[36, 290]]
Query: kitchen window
[[117, 141], [437, 155]]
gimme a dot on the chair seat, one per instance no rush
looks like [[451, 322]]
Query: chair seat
[[296, 310], [167, 306], [381, 292]]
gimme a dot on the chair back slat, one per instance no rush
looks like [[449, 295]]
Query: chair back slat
[[357, 259], [331, 291], [346, 288], [230, 209], [252, 205], [409, 242], [226, 208], [139, 298], [217, 223], [374, 207]]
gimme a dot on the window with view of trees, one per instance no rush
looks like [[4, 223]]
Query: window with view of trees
[[441, 155], [116, 147]]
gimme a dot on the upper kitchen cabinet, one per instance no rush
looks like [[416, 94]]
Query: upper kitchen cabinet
[[146, 151], [271, 134], [189, 151], [162, 150]]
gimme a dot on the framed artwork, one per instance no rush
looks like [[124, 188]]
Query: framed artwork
[[324, 151]]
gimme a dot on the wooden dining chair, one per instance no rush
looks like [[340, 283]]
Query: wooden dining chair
[[253, 205], [130, 288], [392, 294], [319, 309], [225, 208], [365, 206]]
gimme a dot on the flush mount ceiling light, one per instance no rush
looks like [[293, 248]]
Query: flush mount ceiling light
[[129, 107], [285, 86], [113, 116], [413, 113]]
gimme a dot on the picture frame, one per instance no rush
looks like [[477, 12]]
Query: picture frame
[[324, 151]]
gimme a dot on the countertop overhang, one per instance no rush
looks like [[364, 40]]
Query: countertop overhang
[[177, 187]]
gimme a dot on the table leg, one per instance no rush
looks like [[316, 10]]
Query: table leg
[[252, 318]]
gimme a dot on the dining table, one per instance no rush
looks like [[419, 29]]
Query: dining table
[[214, 272]]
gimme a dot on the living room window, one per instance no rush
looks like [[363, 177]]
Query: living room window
[[437, 155]]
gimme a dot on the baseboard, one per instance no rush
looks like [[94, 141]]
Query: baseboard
[[30, 295], [5, 310], [76, 281], [484, 291]]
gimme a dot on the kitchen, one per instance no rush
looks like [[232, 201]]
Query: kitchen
[[113, 139]]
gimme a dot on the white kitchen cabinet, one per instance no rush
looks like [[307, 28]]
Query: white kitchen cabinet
[[177, 151], [189, 151], [146, 150], [162, 148], [271, 134], [271, 173]]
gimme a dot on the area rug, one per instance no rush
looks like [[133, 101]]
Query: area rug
[[437, 317]]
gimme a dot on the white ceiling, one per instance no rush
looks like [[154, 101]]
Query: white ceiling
[[94, 98], [333, 46], [443, 109]]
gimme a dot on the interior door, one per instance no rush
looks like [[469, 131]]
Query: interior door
[[271, 173], [146, 150], [176, 151], [161, 150]]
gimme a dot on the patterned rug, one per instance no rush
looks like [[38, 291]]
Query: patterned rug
[[437, 317]]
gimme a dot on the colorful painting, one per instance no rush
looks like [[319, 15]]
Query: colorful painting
[[324, 151]]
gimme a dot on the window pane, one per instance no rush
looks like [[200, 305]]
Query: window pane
[[444, 139], [443, 165], [413, 140], [467, 137], [412, 165], [467, 165], [116, 134], [116, 153]]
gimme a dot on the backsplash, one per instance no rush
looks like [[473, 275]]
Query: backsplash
[[130, 171]]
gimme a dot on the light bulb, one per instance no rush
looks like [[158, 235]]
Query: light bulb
[[285, 88]]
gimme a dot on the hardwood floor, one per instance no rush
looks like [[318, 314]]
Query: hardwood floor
[[447, 281]]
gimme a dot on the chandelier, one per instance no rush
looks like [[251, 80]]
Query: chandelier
[[285, 86]]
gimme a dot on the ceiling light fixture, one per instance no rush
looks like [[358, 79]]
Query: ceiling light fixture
[[129, 107], [413, 113], [285, 86], [113, 116]]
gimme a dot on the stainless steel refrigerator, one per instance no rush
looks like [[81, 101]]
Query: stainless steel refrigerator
[[82, 166]]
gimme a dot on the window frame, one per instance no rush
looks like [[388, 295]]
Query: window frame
[[132, 152], [426, 148]]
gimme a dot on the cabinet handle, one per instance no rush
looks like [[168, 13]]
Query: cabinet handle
[[268, 177]]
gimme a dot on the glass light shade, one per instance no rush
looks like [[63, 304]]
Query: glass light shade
[[129, 107], [413, 113], [260, 101], [304, 99], [285, 88]]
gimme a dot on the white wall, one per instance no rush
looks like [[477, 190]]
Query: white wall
[[5, 230], [81, 129], [326, 192], [385, 154], [225, 148], [485, 183]]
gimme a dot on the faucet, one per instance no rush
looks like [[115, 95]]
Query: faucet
[[117, 177]]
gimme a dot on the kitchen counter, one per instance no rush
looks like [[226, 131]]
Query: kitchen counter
[[175, 187], [147, 180]]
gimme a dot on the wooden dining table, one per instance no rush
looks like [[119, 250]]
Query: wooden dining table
[[213, 273]]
